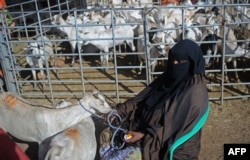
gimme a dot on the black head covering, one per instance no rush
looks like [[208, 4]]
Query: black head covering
[[188, 49], [190, 62]]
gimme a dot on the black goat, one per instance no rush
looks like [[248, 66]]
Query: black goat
[[209, 49]]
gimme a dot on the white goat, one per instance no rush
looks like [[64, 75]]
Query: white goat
[[34, 123], [63, 104], [172, 30], [84, 27], [154, 51], [117, 3], [37, 55], [191, 32], [174, 15], [232, 50], [104, 39], [70, 31], [75, 143]]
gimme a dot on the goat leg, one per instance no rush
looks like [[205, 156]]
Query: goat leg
[[236, 72], [42, 78], [226, 76], [34, 79], [54, 65], [140, 69]]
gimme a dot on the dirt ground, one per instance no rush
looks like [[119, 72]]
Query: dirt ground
[[229, 123]]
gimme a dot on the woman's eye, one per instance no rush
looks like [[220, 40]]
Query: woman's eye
[[182, 61], [179, 61]]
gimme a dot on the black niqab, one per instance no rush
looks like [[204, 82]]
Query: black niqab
[[188, 52]]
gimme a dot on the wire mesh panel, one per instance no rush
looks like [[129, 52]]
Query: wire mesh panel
[[63, 48]]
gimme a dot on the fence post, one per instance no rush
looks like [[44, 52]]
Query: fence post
[[6, 67]]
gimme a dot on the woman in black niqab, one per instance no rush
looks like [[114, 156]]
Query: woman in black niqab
[[190, 61], [170, 106]]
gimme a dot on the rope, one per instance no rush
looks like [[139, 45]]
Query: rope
[[92, 113], [117, 129]]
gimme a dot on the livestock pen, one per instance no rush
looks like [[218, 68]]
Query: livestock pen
[[84, 60]]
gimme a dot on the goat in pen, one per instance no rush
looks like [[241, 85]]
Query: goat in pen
[[105, 39], [37, 55], [232, 49], [69, 30], [156, 49]]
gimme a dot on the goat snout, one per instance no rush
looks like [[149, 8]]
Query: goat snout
[[161, 50]]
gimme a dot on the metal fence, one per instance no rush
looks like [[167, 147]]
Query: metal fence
[[119, 79]]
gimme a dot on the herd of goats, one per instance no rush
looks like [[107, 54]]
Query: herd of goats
[[100, 30], [69, 132]]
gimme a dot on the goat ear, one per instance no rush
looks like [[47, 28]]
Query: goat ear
[[95, 92], [80, 16], [169, 34], [91, 13], [94, 89], [216, 31], [219, 37], [85, 33], [210, 31]]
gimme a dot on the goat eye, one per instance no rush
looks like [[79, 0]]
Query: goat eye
[[95, 96], [102, 102]]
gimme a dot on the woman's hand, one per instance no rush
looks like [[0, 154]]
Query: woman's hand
[[110, 117], [133, 136]]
